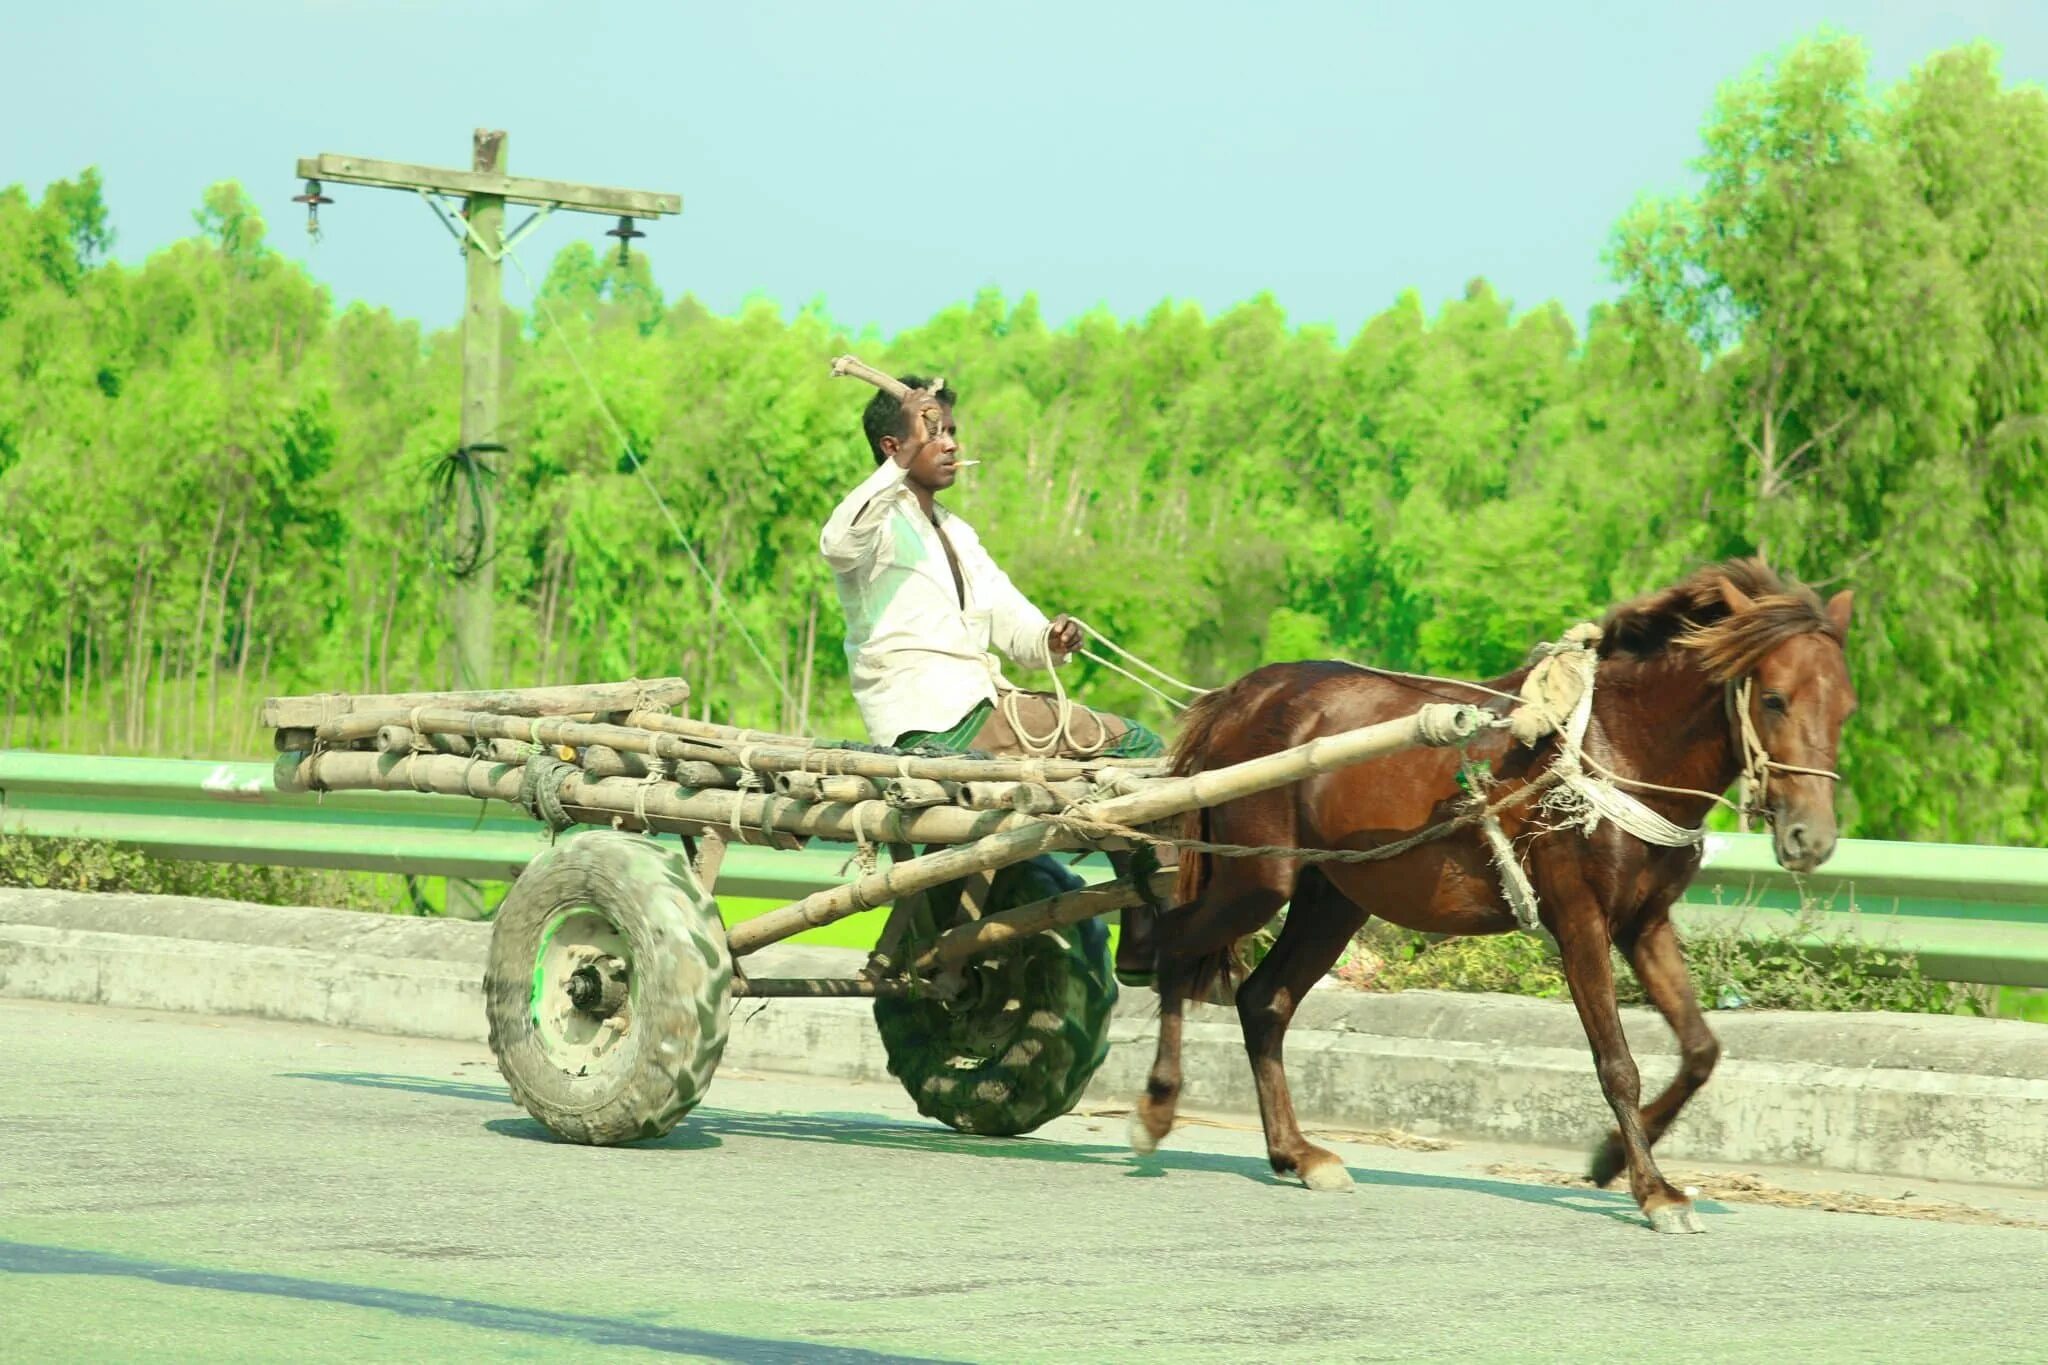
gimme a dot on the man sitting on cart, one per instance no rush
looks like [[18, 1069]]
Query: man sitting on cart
[[925, 605]]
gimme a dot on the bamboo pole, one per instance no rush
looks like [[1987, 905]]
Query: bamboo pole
[[812, 787], [321, 708], [666, 742], [598, 801], [1436, 724]]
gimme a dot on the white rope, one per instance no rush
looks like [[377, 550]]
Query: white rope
[[1153, 669], [1060, 739], [1586, 800]]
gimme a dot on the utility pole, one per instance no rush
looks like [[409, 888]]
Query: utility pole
[[480, 231]]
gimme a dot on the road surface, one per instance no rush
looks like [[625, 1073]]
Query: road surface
[[179, 1187]]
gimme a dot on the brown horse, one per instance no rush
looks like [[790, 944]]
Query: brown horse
[[1670, 668]]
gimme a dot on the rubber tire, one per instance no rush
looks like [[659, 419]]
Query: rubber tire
[[681, 980], [970, 1074]]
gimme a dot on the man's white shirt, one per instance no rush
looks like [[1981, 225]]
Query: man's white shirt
[[919, 657]]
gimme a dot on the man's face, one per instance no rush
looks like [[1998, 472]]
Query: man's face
[[934, 461]]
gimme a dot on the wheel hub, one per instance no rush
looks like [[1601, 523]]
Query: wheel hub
[[599, 987], [582, 998]]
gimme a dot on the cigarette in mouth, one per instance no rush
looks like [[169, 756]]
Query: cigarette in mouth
[[965, 464]]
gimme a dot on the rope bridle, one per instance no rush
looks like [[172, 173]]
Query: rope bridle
[[1757, 763]]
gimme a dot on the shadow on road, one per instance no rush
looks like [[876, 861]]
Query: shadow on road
[[708, 1127], [28, 1258]]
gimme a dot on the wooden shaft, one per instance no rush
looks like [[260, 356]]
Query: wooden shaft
[[1437, 723], [816, 987], [962, 943]]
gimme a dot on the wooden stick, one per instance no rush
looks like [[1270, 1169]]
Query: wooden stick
[[923, 401], [960, 944], [1438, 723], [317, 710], [784, 987], [851, 367]]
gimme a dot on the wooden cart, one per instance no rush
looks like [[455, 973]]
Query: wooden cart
[[611, 970]]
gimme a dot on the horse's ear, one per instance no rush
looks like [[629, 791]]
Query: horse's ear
[[1738, 601], [1838, 610]]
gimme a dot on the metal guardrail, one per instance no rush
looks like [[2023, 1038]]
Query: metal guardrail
[[1967, 912]]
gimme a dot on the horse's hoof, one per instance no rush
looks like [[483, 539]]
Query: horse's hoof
[[1142, 1141], [1327, 1177], [1675, 1218]]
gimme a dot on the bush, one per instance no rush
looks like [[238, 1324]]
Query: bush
[[91, 865], [1808, 969]]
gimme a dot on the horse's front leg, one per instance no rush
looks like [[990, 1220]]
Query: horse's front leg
[[1581, 930], [1320, 921], [1660, 967], [1194, 941]]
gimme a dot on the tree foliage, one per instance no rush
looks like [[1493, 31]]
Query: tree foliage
[[1834, 349]]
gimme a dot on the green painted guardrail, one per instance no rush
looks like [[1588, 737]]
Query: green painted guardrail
[[1969, 913]]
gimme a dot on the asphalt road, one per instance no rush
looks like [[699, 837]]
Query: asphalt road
[[175, 1187]]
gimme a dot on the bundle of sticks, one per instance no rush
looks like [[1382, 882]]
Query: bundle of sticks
[[617, 754]]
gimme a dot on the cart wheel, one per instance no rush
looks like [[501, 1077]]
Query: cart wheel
[[1020, 1044], [607, 988]]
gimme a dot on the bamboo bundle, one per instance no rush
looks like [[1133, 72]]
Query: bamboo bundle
[[669, 773], [989, 813], [659, 806]]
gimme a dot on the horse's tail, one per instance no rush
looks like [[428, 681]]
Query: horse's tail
[[1198, 726]]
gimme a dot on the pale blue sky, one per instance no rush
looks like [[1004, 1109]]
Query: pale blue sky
[[890, 157]]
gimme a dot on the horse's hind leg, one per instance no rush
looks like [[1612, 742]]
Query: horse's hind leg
[[1320, 921], [1239, 898], [1661, 969]]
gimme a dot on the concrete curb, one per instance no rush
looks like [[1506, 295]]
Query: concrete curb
[[1912, 1095]]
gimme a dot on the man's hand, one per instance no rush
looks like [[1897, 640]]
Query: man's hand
[[925, 418], [1066, 635]]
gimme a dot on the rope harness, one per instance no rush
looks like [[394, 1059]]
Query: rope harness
[[1576, 790]]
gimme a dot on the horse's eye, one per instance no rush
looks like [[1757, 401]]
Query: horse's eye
[[1774, 702]]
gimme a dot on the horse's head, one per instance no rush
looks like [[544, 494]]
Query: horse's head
[[1781, 655]]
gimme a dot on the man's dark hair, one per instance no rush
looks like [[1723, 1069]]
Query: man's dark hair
[[885, 415]]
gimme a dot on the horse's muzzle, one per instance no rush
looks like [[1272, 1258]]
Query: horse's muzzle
[[1803, 845]]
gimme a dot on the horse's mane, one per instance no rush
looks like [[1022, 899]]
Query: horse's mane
[[1692, 615]]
